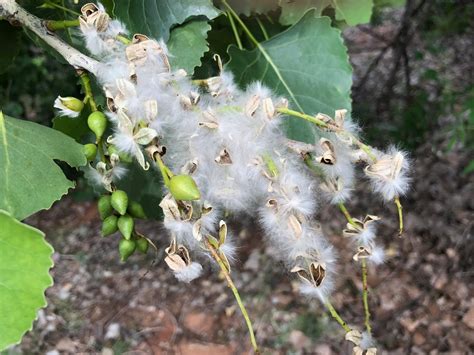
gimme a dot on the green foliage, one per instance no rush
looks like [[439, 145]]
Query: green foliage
[[30, 180], [308, 63], [10, 40], [187, 44], [73, 127], [145, 187], [24, 276], [353, 12], [156, 18]]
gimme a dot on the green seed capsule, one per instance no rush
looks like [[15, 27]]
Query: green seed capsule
[[109, 225], [142, 245], [90, 151], [183, 187], [136, 210], [97, 122], [104, 206], [72, 103], [125, 225], [119, 201], [126, 248], [124, 157]]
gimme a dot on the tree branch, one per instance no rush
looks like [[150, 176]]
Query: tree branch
[[15, 14]]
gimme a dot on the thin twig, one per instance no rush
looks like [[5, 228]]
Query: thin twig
[[14, 13]]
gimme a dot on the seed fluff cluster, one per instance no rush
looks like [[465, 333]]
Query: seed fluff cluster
[[231, 143]]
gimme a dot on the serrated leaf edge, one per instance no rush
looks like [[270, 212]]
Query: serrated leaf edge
[[51, 283]]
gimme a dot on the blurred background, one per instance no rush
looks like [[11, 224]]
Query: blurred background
[[413, 86]]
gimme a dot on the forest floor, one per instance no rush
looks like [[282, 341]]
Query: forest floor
[[421, 298]]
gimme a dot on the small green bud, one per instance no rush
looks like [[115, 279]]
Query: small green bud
[[109, 225], [71, 103], [142, 245], [136, 210], [125, 225], [126, 248], [97, 122], [124, 157], [104, 206], [183, 187], [119, 201], [90, 151]]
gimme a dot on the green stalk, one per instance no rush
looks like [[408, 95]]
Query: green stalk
[[123, 39], [86, 84], [234, 29], [337, 317], [312, 119], [400, 214], [346, 213], [365, 296], [55, 25], [367, 149], [231, 285], [72, 12], [264, 30]]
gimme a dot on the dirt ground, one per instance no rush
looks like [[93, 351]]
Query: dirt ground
[[421, 298]]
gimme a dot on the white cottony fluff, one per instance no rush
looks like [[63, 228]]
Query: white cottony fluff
[[389, 174], [189, 273], [367, 341], [377, 255], [240, 155]]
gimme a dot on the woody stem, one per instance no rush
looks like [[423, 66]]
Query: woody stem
[[231, 284], [365, 296], [400, 214], [337, 317]]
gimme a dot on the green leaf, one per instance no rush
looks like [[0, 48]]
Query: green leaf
[[156, 18], [10, 42], [24, 276], [73, 127], [354, 12], [188, 44], [30, 180], [308, 63]]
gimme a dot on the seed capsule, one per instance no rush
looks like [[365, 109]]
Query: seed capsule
[[125, 225], [142, 245], [70, 103], [119, 201], [97, 123], [126, 248], [183, 187], [136, 210], [109, 226], [104, 206], [90, 151]]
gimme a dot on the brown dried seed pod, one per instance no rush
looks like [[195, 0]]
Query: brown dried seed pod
[[223, 158]]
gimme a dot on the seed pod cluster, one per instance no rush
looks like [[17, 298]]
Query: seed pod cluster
[[118, 214]]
